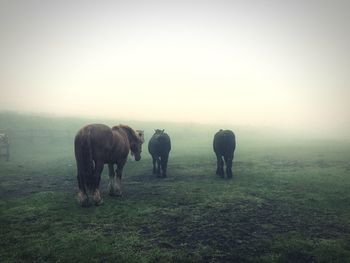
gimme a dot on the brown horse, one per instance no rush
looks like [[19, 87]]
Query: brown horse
[[96, 145]]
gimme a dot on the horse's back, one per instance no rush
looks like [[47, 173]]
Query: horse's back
[[97, 138], [95, 130], [224, 142]]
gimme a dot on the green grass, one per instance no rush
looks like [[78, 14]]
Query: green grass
[[288, 202]]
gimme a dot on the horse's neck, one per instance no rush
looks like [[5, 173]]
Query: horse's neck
[[129, 133]]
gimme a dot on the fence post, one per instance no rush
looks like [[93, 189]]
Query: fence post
[[8, 151]]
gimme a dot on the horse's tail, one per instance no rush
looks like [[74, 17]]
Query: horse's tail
[[85, 164]]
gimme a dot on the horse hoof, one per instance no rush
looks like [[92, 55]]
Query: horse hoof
[[82, 199], [220, 173], [85, 203], [99, 202], [115, 194]]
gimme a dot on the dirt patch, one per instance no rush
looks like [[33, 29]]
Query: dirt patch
[[240, 230], [20, 185]]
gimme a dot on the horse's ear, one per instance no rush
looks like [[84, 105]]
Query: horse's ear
[[163, 130]]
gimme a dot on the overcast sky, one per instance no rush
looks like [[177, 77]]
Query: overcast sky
[[271, 63]]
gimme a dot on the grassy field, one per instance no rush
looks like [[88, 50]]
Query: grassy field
[[289, 200]]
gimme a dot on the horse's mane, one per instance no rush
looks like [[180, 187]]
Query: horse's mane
[[129, 131]]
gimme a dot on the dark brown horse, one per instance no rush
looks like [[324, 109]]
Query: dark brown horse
[[159, 147], [96, 145], [224, 146]]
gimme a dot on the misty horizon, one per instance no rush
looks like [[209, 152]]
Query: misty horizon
[[246, 63]]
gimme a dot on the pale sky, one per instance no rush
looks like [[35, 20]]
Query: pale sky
[[271, 63]]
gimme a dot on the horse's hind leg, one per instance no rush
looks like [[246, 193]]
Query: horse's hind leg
[[164, 162], [228, 161], [158, 165], [82, 197], [97, 177], [154, 160], [220, 166]]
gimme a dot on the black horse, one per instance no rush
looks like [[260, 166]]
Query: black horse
[[159, 147], [224, 147]]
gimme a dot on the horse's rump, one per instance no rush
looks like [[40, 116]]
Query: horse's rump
[[83, 156], [159, 144], [224, 142]]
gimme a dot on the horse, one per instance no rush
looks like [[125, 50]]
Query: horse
[[159, 147], [96, 145], [224, 146]]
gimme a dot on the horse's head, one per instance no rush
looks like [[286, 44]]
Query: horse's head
[[136, 145], [136, 139]]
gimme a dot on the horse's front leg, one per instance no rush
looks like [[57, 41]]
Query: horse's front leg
[[112, 185], [97, 177], [82, 195], [120, 167]]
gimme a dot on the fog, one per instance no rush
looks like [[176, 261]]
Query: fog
[[282, 64]]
